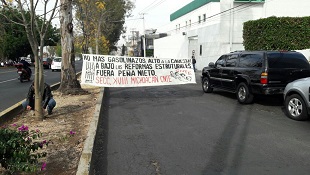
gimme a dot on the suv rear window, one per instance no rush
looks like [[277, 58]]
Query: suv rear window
[[287, 60]]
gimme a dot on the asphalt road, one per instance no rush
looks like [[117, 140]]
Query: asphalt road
[[179, 130], [13, 91]]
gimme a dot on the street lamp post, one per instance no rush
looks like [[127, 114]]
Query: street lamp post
[[144, 37]]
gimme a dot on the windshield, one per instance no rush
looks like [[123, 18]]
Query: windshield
[[57, 59], [45, 59]]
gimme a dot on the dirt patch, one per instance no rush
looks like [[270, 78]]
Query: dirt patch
[[73, 113]]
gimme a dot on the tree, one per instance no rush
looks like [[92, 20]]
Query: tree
[[14, 42], [30, 22], [68, 83], [101, 22]]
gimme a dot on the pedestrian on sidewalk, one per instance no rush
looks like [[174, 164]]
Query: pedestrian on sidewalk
[[194, 62], [48, 102]]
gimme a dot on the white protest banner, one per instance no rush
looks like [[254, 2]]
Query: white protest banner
[[122, 71]]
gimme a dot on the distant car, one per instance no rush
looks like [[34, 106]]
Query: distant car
[[28, 60], [296, 99], [77, 58], [56, 64], [47, 62]]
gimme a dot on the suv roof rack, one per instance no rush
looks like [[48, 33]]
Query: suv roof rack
[[237, 51]]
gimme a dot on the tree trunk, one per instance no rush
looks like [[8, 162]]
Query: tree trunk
[[68, 83]]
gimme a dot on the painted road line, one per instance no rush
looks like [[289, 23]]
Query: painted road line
[[8, 80]]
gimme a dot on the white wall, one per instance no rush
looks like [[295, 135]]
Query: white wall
[[284, 8], [171, 47]]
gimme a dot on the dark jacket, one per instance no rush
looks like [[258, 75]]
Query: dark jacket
[[47, 95], [193, 60], [25, 64]]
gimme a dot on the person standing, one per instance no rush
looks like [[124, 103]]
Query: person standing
[[194, 62], [47, 99]]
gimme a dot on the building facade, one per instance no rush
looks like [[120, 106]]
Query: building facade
[[210, 28]]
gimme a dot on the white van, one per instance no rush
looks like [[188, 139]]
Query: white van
[[56, 64]]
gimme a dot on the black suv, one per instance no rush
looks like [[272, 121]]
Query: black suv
[[254, 72]]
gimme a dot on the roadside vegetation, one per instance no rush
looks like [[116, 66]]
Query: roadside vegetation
[[26, 29]]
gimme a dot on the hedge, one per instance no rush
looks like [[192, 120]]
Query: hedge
[[277, 33]]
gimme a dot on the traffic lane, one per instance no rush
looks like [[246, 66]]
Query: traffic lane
[[181, 130], [8, 74], [13, 91]]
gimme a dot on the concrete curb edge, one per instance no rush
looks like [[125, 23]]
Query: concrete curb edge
[[85, 159]]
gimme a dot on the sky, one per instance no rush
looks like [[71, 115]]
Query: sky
[[157, 14]]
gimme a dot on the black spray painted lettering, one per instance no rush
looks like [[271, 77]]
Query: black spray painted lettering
[[89, 73], [98, 58], [146, 73], [86, 57], [138, 66], [126, 73], [172, 66], [104, 65], [154, 60], [135, 60], [105, 73]]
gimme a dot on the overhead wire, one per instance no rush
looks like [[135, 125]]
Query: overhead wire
[[156, 5], [224, 13], [149, 6]]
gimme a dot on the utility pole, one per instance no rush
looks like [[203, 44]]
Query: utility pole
[[144, 37]]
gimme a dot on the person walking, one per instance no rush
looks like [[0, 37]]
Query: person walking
[[47, 99]]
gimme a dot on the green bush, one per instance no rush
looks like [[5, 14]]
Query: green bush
[[277, 33], [19, 149]]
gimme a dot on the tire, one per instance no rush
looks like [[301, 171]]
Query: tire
[[21, 78], [206, 85], [295, 108], [244, 95]]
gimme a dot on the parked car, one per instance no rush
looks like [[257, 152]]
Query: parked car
[[47, 62], [56, 64], [247, 73], [296, 99]]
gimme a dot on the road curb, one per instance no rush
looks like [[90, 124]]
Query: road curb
[[85, 159]]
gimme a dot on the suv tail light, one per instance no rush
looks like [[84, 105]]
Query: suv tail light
[[264, 78]]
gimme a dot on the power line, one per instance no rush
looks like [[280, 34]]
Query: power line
[[222, 13], [156, 5], [147, 6]]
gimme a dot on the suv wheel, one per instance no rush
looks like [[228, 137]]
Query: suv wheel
[[295, 107], [244, 96], [206, 86]]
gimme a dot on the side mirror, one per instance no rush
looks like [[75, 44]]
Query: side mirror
[[211, 64]]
